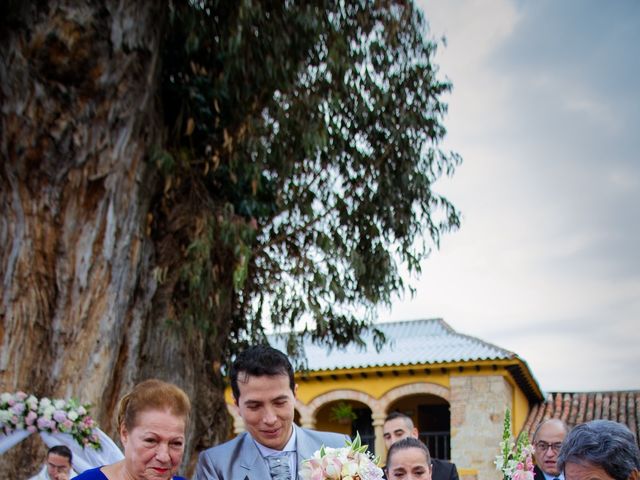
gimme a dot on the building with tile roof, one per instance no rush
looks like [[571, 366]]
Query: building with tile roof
[[454, 386]]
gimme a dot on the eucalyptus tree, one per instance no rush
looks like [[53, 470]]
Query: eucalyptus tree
[[178, 175]]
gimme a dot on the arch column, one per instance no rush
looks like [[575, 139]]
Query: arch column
[[377, 420], [307, 416]]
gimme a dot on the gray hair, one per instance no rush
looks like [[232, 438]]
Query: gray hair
[[556, 421], [602, 443]]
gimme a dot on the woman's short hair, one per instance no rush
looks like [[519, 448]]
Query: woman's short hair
[[405, 443], [609, 445], [152, 394]]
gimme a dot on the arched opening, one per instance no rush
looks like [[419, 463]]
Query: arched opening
[[348, 417], [431, 414]]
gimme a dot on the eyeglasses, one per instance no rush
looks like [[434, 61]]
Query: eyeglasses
[[544, 446]]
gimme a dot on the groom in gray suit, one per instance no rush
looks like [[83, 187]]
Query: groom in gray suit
[[273, 447]]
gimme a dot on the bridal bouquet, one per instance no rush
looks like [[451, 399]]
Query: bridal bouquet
[[515, 458], [351, 462]]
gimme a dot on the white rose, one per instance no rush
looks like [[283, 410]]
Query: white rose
[[44, 402], [59, 404], [82, 410], [72, 415], [32, 403], [5, 416], [48, 412], [349, 470], [5, 397]]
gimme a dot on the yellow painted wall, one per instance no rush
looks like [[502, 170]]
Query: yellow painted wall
[[520, 410], [374, 385], [377, 381]]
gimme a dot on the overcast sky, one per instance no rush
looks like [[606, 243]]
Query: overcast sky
[[545, 111]]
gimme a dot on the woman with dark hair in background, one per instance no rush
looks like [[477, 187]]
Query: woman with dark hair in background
[[408, 459]]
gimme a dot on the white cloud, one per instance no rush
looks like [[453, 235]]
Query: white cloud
[[545, 263]]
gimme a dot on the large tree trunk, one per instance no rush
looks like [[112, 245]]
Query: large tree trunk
[[82, 313]]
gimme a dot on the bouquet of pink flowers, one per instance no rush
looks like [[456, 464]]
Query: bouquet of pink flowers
[[352, 462], [19, 411], [515, 458]]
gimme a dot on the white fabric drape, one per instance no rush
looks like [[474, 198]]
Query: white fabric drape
[[83, 458], [86, 458], [9, 441]]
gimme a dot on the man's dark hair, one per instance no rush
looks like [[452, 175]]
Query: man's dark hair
[[258, 361], [393, 415], [407, 442], [603, 443], [61, 450]]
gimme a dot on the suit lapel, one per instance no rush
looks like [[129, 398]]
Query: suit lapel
[[251, 465], [305, 447]]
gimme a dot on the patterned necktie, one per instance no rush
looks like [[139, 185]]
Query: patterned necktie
[[279, 467]]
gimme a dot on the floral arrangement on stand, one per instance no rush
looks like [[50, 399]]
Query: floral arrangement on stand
[[352, 462], [515, 458], [19, 411]]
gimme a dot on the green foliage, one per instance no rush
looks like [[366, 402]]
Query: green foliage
[[342, 412], [314, 126]]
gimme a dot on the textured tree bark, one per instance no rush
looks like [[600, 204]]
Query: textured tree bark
[[82, 313]]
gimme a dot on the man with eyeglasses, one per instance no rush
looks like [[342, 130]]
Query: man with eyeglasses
[[57, 465], [547, 440]]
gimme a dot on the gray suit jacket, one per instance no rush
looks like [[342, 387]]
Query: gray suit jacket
[[240, 459]]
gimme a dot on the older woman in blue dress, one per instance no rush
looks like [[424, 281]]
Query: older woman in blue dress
[[151, 421]]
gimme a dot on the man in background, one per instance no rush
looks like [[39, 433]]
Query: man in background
[[397, 426], [547, 440], [57, 466]]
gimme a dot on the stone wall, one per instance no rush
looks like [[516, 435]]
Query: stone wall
[[478, 404]]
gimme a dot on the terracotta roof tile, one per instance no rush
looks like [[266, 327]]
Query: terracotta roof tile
[[622, 408], [597, 413], [576, 408]]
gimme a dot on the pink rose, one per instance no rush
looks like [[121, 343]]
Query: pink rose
[[521, 473], [332, 467], [31, 418], [59, 416], [43, 423], [312, 469]]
